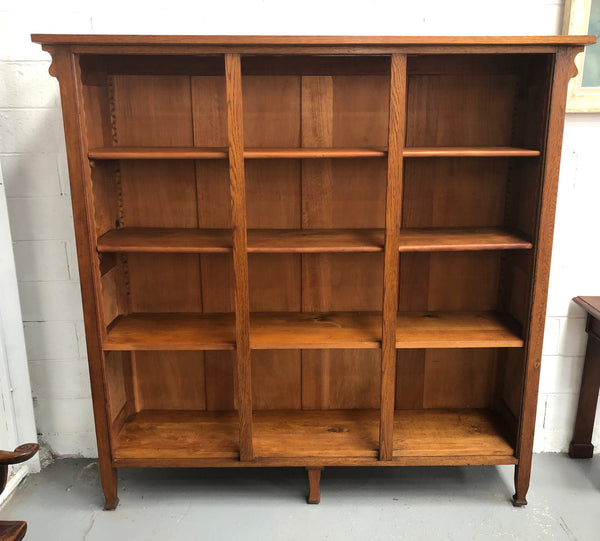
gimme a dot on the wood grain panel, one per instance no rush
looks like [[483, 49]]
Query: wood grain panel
[[168, 283], [153, 110], [337, 194], [271, 111], [459, 378], [115, 382], [360, 111], [172, 380], [463, 281], [237, 189], [410, 379], [449, 192], [209, 111], [460, 110]]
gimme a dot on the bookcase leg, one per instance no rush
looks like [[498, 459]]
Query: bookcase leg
[[108, 477], [522, 474], [314, 480]]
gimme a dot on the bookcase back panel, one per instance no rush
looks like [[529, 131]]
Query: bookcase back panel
[[460, 110], [153, 110], [445, 378], [458, 192], [315, 110], [341, 379], [273, 194], [116, 379], [276, 380], [107, 196], [275, 283], [170, 380], [449, 281], [159, 194], [272, 116]]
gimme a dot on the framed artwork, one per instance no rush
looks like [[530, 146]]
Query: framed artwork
[[583, 17]]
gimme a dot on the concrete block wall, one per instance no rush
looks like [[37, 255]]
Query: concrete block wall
[[32, 154]]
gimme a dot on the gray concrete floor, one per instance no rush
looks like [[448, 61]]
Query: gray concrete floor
[[64, 503]]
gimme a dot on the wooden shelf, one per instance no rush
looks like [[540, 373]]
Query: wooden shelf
[[294, 330], [460, 239], [266, 241], [467, 152], [304, 153], [178, 434], [171, 331], [165, 240], [442, 436], [158, 153], [456, 330], [219, 153]]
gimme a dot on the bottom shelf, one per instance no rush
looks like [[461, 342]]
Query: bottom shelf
[[188, 438]]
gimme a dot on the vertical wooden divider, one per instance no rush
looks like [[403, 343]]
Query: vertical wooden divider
[[393, 220], [237, 186]]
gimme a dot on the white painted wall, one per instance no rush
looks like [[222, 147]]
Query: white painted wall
[[33, 157], [17, 423]]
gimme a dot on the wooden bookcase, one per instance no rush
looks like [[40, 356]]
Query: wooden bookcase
[[313, 251]]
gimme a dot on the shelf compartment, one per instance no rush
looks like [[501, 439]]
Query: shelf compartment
[[173, 434], [456, 330], [272, 241], [300, 330], [448, 433], [316, 433], [306, 153], [158, 153], [460, 239], [220, 153], [166, 240], [447, 436], [171, 331], [468, 152], [266, 241], [355, 434]]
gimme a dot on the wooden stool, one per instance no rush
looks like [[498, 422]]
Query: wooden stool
[[14, 530], [581, 444]]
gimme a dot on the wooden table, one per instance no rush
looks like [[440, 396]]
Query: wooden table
[[581, 444]]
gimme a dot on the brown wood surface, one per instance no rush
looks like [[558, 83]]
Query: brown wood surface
[[239, 245], [581, 444], [541, 272], [590, 304], [306, 153], [393, 222], [188, 240], [307, 40], [297, 330], [68, 76], [313, 434], [467, 152], [237, 186], [12, 530]]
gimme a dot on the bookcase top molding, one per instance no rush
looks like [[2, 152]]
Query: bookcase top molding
[[116, 39]]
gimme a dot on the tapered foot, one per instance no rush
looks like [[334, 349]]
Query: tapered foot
[[111, 505], [581, 450], [110, 485], [518, 502], [314, 480]]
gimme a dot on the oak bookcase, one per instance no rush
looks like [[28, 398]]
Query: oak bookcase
[[313, 251]]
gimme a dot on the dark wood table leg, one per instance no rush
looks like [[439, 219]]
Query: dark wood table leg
[[581, 444], [314, 479]]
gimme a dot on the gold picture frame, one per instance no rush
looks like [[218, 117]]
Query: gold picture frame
[[576, 21]]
